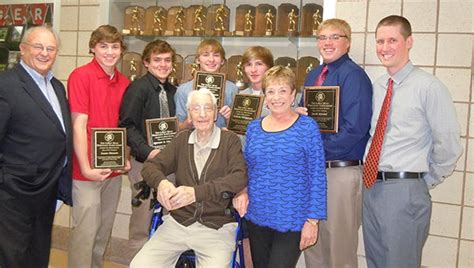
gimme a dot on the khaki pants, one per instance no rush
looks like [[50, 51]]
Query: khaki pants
[[338, 236], [93, 214], [213, 248]]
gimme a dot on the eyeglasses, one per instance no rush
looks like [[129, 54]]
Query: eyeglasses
[[198, 108], [332, 37], [41, 48]]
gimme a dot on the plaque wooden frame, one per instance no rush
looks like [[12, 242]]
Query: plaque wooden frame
[[324, 111], [109, 145], [238, 122]]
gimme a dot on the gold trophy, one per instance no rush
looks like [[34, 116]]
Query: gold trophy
[[172, 77], [179, 25], [292, 21], [133, 70], [309, 68], [199, 18], [158, 21], [269, 23], [194, 68], [248, 28], [135, 27], [316, 22], [219, 26], [239, 81]]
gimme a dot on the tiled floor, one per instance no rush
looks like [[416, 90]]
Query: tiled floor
[[58, 259]]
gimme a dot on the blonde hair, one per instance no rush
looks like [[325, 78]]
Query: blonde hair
[[281, 74]]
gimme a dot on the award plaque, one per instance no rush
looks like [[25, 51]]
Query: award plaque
[[215, 82], [160, 131], [246, 108], [323, 105], [4, 30], [108, 147]]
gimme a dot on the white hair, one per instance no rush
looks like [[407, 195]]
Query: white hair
[[32, 29], [201, 92]]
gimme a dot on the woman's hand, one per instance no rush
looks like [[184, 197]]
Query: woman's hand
[[309, 234], [241, 202]]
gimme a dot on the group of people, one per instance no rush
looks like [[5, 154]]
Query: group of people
[[297, 189]]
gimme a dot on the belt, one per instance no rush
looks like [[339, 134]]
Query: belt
[[381, 175], [349, 163]]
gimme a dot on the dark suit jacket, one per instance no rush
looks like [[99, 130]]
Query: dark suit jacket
[[33, 145]]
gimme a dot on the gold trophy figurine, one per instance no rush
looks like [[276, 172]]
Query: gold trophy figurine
[[135, 27], [309, 68], [239, 81], [248, 28], [269, 23], [158, 22], [179, 26], [316, 22], [292, 21], [194, 69], [219, 23], [199, 18], [133, 70], [172, 77]]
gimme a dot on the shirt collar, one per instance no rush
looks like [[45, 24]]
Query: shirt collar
[[399, 76], [155, 82], [213, 142], [335, 64], [39, 78], [101, 73]]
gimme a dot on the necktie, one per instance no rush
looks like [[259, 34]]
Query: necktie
[[322, 76], [164, 108], [373, 156], [53, 100]]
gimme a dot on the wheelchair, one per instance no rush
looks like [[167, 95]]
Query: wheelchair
[[188, 258]]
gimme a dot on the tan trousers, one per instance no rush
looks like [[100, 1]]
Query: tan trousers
[[93, 214], [338, 236], [141, 215], [213, 248]]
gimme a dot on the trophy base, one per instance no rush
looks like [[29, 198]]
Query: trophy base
[[157, 32], [247, 33], [268, 33], [240, 84], [238, 33], [126, 31], [315, 32], [198, 32], [178, 32], [218, 32], [134, 32]]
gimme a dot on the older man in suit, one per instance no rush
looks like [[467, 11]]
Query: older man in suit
[[35, 152]]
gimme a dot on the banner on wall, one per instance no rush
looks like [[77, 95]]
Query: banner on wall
[[26, 14]]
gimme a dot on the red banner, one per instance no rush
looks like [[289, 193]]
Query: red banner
[[38, 13], [19, 14], [4, 14]]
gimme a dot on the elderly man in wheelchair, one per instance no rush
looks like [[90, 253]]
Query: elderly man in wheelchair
[[207, 162]]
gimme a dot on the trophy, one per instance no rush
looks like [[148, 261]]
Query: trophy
[[158, 19], [219, 24], [248, 27], [199, 21], [245, 22], [172, 77], [304, 66], [132, 65], [311, 18], [269, 23], [239, 81], [288, 18], [155, 20], [179, 22], [134, 20]]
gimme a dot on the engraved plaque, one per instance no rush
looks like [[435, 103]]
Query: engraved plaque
[[108, 147], [160, 131], [246, 108], [215, 82], [323, 105]]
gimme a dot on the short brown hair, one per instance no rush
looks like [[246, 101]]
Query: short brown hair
[[158, 47], [259, 53], [106, 33], [279, 73], [338, 24], [393, 20], [213, 44]]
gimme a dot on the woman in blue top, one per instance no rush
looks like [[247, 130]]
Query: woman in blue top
[[286, 194]]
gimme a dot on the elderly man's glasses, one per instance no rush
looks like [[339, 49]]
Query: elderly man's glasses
[[41, 48], [332, 37]]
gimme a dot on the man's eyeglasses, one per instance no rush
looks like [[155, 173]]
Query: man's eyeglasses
[[41, 48], [332, 37]]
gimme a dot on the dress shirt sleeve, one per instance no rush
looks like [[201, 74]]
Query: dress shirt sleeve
[[445, 131], [355, 115], [131, 117], [180, 99], [316, 166]]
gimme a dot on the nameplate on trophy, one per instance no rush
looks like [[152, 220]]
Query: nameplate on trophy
[[160, 131], [323, 105], [108, 147], [215, 82], [246, 107]]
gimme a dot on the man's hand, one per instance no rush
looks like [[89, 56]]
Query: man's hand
[[153, 153], [225, 112], [125, 169], [309, 235], [302, 110], [183, 196], [165, 191], [95, 174]]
